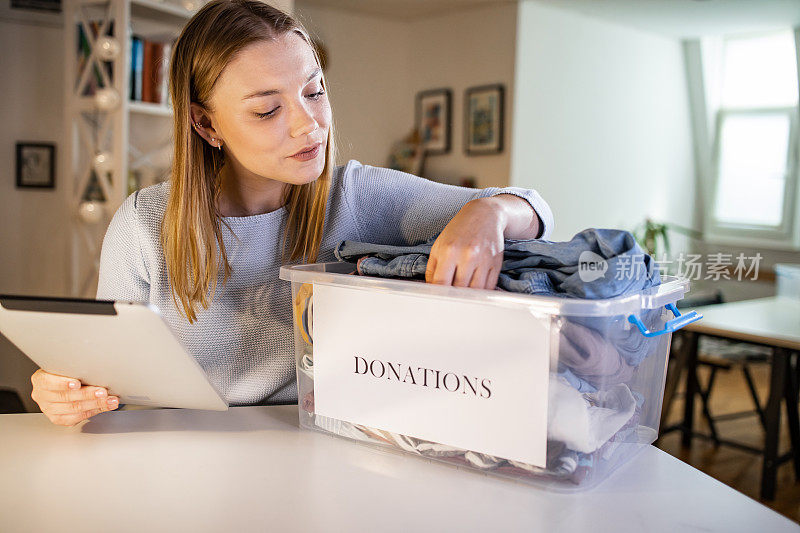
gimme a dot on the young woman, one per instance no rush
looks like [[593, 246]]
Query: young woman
[[253, 186]]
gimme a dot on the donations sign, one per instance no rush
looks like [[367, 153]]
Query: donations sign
[[465, 373]]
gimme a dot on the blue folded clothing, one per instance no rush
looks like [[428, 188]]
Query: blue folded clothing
[[534, 266], [594, 264]]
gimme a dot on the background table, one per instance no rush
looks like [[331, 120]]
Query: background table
[[252, 468], [772, 322]]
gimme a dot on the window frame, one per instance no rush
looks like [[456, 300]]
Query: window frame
[[783, 231], [702, 63]]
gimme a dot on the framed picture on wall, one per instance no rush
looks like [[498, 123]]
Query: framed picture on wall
[[40, 12], [484, 119], [36, 165], [433, 120]]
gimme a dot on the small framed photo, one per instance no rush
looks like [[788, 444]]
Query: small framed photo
[[42, 12], [433, 120], [51, 6], [36, 165], [484, 119]]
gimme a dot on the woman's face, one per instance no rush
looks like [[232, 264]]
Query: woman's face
[[268, 105]]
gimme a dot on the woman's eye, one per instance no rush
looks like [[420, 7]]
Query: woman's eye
[[267, 114], [314, 96]]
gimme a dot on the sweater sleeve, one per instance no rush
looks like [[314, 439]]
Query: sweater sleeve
[[394, 207], [123, 273]]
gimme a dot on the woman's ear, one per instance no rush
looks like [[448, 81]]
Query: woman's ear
[[201, 124]]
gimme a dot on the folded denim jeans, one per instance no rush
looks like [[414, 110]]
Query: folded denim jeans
[[534, 266], [548, 268]]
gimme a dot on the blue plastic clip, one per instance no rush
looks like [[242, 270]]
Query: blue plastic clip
[[671, 325]]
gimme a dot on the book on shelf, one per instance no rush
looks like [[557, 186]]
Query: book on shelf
[[147, 71], [148, 64], [150, 70], [136, 68]]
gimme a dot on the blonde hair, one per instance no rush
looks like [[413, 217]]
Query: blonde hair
[[191, 233]]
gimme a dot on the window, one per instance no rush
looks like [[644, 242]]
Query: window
[[754, 153], [752, 168]]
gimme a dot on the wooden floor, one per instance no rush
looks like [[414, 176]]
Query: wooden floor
[[738, 469]]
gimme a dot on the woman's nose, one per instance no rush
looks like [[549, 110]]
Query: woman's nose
[[303, 122]]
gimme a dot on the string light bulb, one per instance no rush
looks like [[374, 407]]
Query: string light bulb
[[103, 162], [91, 212], [107, 48], [106, 99]]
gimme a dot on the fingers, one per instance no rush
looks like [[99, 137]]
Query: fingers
[[492, 277], [478, 280], [60, 396], [486, 278], [45, 380], [464, 264], [450, 266], [65, 402], [71, 414], [466, 273], [443, 272], [431, 268], [80, 406]]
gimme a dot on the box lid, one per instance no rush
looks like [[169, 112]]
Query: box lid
[[670, 290], [787, 269]]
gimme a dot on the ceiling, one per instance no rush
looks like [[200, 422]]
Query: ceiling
[[403, 9], [672, 18], [690, 18]]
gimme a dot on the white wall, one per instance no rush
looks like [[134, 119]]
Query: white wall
[[464, 49], [368, 58], [601, 123], [33, 236], [378, 65]]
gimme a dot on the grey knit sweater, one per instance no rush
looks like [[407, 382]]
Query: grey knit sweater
[[244, 340]]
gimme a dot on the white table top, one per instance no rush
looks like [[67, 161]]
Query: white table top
[[252, 468], [774, 320]]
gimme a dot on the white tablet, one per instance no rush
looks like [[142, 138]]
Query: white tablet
[[124, 346]]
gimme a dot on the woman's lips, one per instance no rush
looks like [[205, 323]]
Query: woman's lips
[[309, 154]]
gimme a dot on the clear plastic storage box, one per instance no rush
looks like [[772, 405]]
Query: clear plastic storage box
[[604, 368], [788, 280]]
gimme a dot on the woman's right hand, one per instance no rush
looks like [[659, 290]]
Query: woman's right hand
[[65, 402]]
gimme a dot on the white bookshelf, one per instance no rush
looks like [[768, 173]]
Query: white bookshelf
[[147, 108], [122, 131]]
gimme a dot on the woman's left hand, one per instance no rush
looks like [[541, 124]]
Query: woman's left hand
[[469, 251]]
